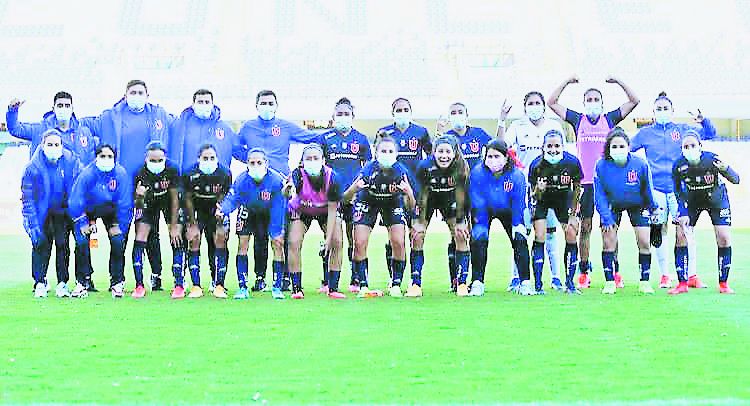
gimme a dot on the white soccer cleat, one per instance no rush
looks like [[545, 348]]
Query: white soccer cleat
[[477, 289], [118, 290], [525, 289], [40, 290], [62, 290], [395, 291], [645, 288], [80, 291], [609, 288]]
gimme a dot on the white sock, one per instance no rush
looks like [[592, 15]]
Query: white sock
[[692, 253], [514, 267], [553, 254], [663, 254]]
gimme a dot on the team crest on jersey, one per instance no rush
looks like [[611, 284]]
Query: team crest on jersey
[[219, 133], [632, 176], [265, 195], [675, 135], [216, 188], [507, 186], [709, 178], [158, 124], [474, 145], [413, 144], [276, 130], [112, 185], [84, 141], [354, 147], [392, 188]]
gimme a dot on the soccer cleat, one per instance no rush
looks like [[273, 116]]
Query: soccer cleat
[[724, 288], [454, 285], [665, 282], [195, 292], [414, 290], [514, 284], [276, 293], [62, 290], [525, 289], [540, 291], [139, 292], [336, 295], [242, 294], [681, 287], [155, 283], [462, 290], [298, 295], [610, 288], [645, 288], [323, 289], [354, 287], [695, 282], [286, 284], [259, 286], [571, 290], [477, 289], [584, 281], [219, 292], [178, 292], [79, 291], [395, 291], [556, 284], [118, 290], [618, 281], [89, 284], [365, 292], [40, 290]]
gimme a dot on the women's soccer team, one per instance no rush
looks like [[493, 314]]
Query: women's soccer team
[[135, 162]]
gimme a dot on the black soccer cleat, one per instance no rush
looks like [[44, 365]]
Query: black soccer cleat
[[286, 284], [156, 282], [260, 285]]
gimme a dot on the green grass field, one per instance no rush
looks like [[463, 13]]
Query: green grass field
[[691, 349]]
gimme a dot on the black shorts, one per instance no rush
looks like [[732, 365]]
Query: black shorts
[[366, 214], [719, 216], [345, 212], [150, 214], [446, 211], [252, 223], [639, 217], [322, 219], [587, 202], [207, 221], [560, 207]]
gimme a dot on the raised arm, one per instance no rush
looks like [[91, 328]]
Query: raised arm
[[553, 101], [633, 100], [24, 131]]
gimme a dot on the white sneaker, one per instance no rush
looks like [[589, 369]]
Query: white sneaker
[[395, 291], [525, 289], [118, 290], [477, 289], [80, 291], [62, 290], [645, 287], [40, 290], [609, 288]]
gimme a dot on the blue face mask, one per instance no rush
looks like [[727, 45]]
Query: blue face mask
[[266, 112], [105, 164], [662, 117], [553, 159], [207, 167], [619, 155]]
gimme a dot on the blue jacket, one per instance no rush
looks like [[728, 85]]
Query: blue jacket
[[119, 127], [472, 143], [77, 138], [490, 194], [622, 187], [100, 193], [189, 132], [274, 137], [264, 197], [663, 146], [37, 190]]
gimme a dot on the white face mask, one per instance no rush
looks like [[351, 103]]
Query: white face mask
[[156, 167], [553, 159], [663, 116], [53, 153], [402, 119], [136, 102], [257, 172], [343, 123], [593, 109], [619, 155], [313, 168], [266, 112], [105, 164], [207, 167], [63, 114], [535, 112], [387, 160], [203, 110], [458, 121], [692, 155]]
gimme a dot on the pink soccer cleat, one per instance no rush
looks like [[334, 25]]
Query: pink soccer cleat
[[618, 281], [298, 295], [681, 287], [323, 289], [665, 282], [694, 282], [724, 288], [354, 288], [584, 282], [139, 292], [336, 295], [178, 292]]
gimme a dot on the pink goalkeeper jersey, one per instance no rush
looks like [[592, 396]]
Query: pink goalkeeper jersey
[[590, 139]]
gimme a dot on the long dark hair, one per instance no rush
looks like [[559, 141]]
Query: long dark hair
[[459, 168], [614, 133], [502, 147]]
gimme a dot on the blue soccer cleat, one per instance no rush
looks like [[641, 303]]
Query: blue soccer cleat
[[276, 293], [242, 294], [514, 285]]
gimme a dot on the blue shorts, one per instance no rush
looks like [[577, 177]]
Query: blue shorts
[[307, 219], [587, 202], [253, 223], [639, 217], [366, 214], [719, 216]]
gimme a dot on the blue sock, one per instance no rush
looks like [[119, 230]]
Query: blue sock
[[178, 266], [608, 262], [278, 271], [478, 259], [681, 263], [389, 259], [462, 262], [616, 266], [333, 281], [361, 268], [139, 247], [416, 259], [398, 271], [537, 254], [584, 266], [242, 264], [222, 255], [571, 259], [725, 262], [296, 281], [451, 260], [194, 264], [644, 262]]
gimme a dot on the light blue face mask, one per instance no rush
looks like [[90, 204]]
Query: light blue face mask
[[343, 123], [692, 155], [535, 112], [207, 167], [156, 167], [266, 112], [662, 116], [105, 164], [619, 155], [136, 102], [593, 109], [553, 159], [203, 110], [402, 119], [458, 121]]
